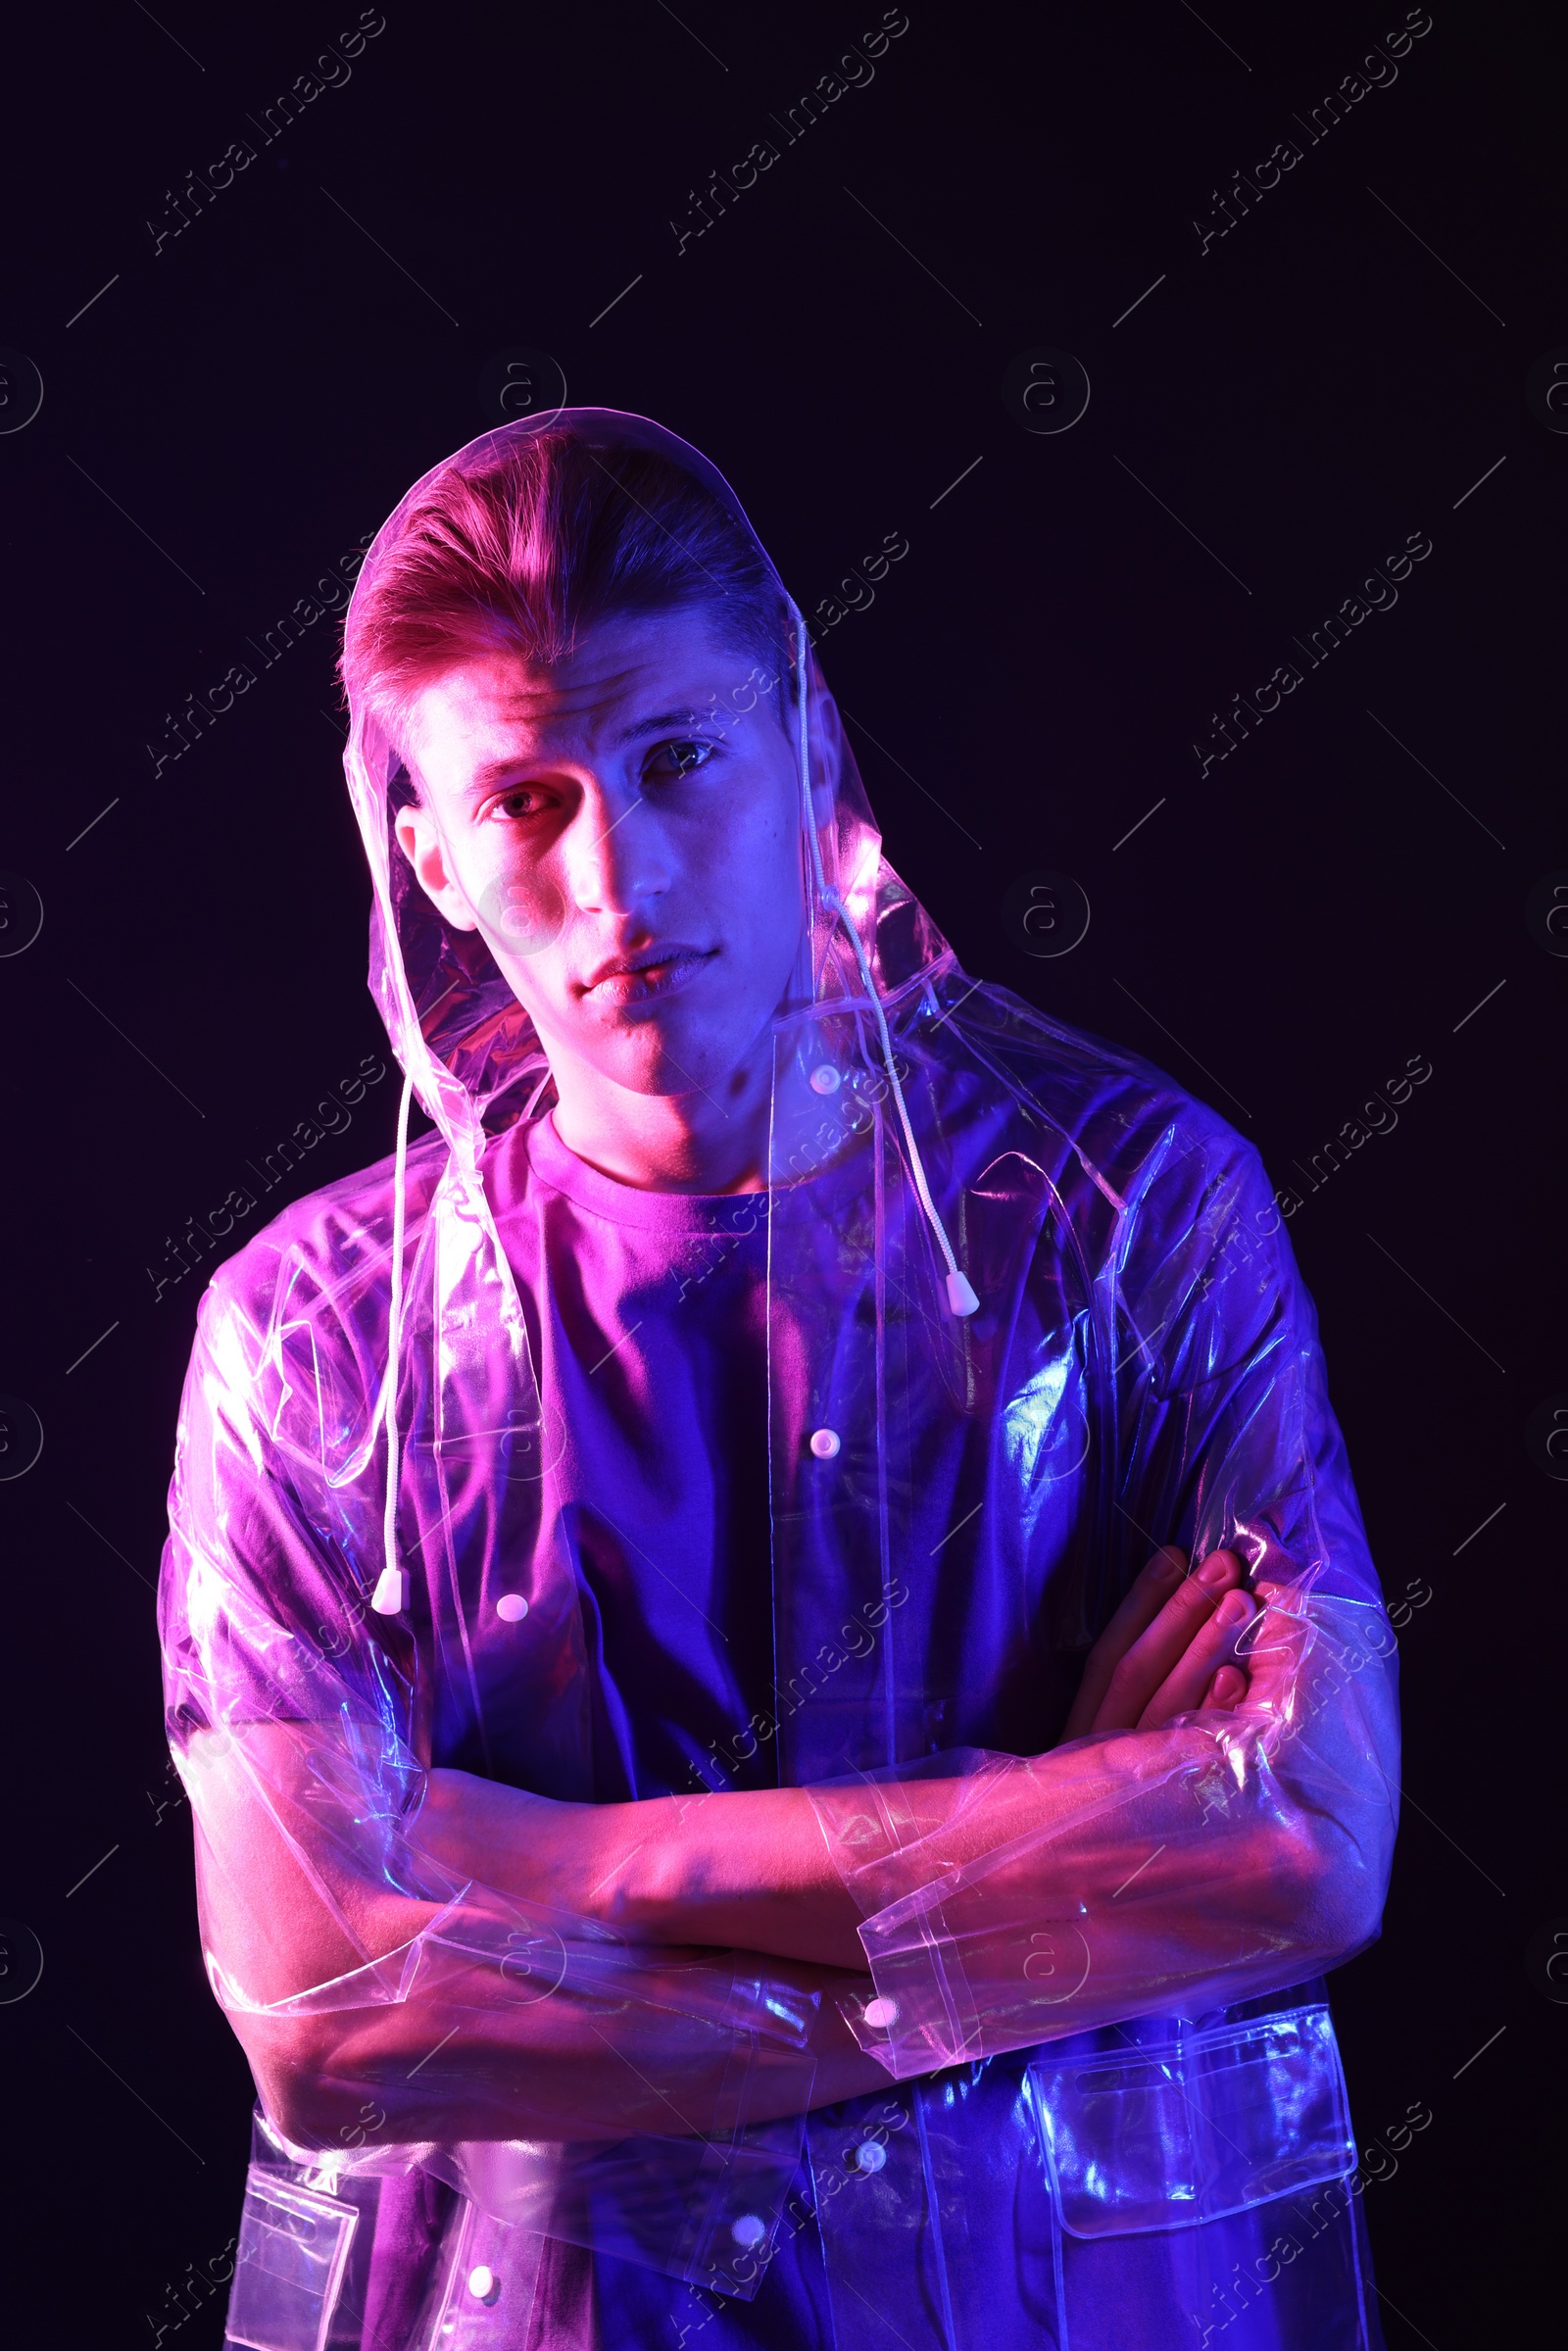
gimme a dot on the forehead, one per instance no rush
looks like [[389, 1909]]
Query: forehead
[[622, 675]]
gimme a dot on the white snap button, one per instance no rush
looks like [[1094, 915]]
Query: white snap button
[[870, 2156], [483, 2283], [748, 2231], [880, 2014], [825, 1078], [512, 1607], [826, 1443]]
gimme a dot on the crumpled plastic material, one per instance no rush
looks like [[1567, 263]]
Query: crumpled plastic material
[[1143, 1368]]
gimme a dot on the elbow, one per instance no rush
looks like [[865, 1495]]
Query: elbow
[[1331, 1841], [301, 2086], [1337, 1880]]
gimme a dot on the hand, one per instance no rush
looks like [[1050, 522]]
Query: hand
[[1160, 1654]]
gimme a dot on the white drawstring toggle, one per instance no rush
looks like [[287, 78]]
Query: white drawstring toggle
[[391, 1594], [962, 1299]]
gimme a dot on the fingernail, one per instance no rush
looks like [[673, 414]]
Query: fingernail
[[1229, 1684], [1168, 1568], [1234, 1609], [1214, 1571]]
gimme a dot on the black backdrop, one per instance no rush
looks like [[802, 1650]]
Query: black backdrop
[[227, 411]]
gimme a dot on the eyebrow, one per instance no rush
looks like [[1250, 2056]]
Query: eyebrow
[[669, 719]]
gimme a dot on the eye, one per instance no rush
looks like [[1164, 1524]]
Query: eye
[[681, 758], [517, 803]]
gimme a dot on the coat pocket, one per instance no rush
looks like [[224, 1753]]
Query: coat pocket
[[289, 2266], [1166, 2136]]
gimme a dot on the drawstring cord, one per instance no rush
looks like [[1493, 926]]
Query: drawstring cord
[[962, 1299], [808, 814], [391, 1593]]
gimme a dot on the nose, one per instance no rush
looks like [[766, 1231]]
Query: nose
[[616, 854]]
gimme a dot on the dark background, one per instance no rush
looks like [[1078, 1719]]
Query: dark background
[[239, 408]]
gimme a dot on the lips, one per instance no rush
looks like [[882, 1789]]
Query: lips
[[651, 971]]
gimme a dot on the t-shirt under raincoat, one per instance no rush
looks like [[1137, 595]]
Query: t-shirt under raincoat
[[1115, 2112]]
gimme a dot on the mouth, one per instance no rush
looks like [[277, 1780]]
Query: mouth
[[653, 972]]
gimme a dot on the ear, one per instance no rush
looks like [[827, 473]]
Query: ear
[[421, 842]]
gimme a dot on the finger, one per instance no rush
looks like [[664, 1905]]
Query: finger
[[1227, 1689], [1183, 1687], [1139, 1673], [1148, 1594], [1144, 1603], [1275, 1647]]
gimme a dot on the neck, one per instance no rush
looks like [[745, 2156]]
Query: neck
[[701, 1140]]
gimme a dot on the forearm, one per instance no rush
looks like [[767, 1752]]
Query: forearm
[[458, 2064], [1181, 1871], [360, 1967], [748, 1871], [1185, 1891]]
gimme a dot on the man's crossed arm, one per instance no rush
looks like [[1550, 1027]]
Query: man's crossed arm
[[751, 1869]]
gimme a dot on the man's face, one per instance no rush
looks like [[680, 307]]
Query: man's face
[[627, 845]]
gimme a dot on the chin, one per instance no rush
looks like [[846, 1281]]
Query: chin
[[666, 1055]]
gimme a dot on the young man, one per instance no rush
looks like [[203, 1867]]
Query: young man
[[707, 1825]]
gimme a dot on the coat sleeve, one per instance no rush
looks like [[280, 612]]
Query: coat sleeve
[[392, 2013], [1227, 1854]]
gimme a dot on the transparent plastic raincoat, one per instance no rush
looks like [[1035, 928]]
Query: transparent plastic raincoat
[[1049, 1310]]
